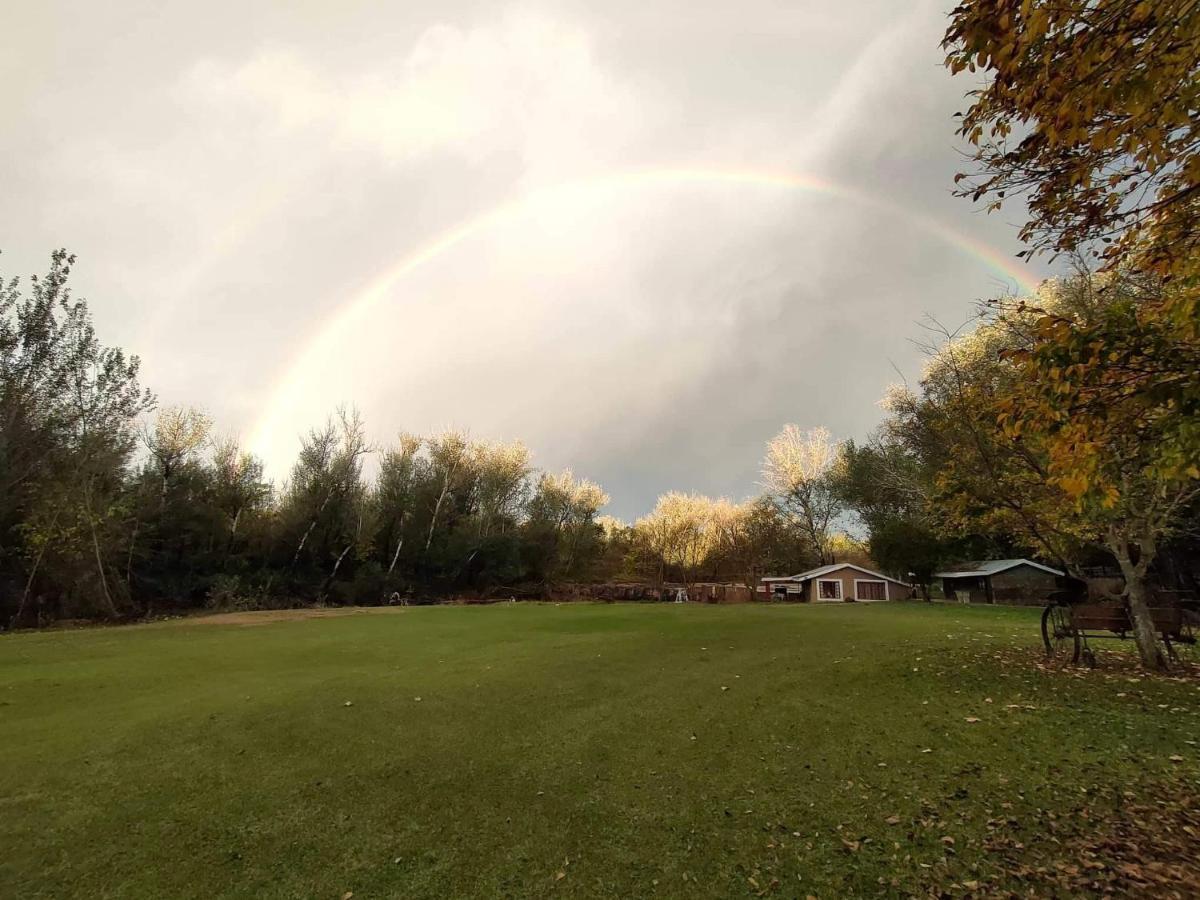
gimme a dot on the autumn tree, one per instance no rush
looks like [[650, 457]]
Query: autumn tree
[[753, 539], [450, 456], [562, 524], [798, 473], [401, 471], [177, 434], [1007, 458], [501, 484], [679, 533], [1127, 467], [1091, 113]]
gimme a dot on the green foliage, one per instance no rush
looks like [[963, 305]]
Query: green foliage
[[1010, 452], [68, 409], [890, 486]]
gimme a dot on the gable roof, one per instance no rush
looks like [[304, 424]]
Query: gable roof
[[834, 567], [987, 567]]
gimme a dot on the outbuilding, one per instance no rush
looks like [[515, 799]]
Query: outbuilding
[[835, 583], [1019, 582]]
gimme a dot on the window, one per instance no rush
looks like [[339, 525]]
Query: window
[[829, 589], [870, 590]]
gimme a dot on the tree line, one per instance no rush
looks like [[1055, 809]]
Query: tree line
[[1066, 424], [111, 506], [114, 506]]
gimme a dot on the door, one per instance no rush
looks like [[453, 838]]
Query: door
[[870, 590]]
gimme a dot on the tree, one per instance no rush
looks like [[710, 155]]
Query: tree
[[238, 483], [178, 432], [981, 480], [798, 473], [1126, 467], [400, 472], [68, 406], [501, 484], [326, 502], [754, 539], [1008, 454], [563, 525], [888, 488], [618, 554], [679, 532], [449, 461], [1092, 113]]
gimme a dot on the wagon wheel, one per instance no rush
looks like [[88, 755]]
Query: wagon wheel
[[1058, 634]]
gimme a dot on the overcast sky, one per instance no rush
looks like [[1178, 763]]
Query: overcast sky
[[640, 236]]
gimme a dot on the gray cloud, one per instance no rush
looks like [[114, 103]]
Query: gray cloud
[[235, 177]]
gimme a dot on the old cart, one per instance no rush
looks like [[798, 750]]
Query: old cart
[[1068, 626]]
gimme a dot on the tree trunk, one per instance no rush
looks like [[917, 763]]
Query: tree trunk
[[437, 508], [1139, 611], [313, 524], [37, 562], [112, 609], [1143, 624], [399, 544], [337, 565], [16, 619], [129, 559]]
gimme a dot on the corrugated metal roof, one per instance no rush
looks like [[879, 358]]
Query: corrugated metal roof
[[986, 567]]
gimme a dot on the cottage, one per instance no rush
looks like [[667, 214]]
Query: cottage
[[1020, 582], [834, 583]]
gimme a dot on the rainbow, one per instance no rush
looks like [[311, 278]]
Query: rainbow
[[339, 326]]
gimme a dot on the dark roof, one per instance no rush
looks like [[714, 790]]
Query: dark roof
[[988, 567]]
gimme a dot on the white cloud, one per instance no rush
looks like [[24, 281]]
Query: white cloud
[[239, 191], [526, 85]]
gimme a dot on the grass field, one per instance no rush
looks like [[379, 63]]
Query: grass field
[[577, 750]]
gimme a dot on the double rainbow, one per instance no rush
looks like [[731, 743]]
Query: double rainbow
[[339, 326]]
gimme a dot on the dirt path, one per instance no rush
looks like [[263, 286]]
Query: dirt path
[[270, 616]]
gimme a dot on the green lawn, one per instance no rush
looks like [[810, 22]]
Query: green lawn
[[578, 750]]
